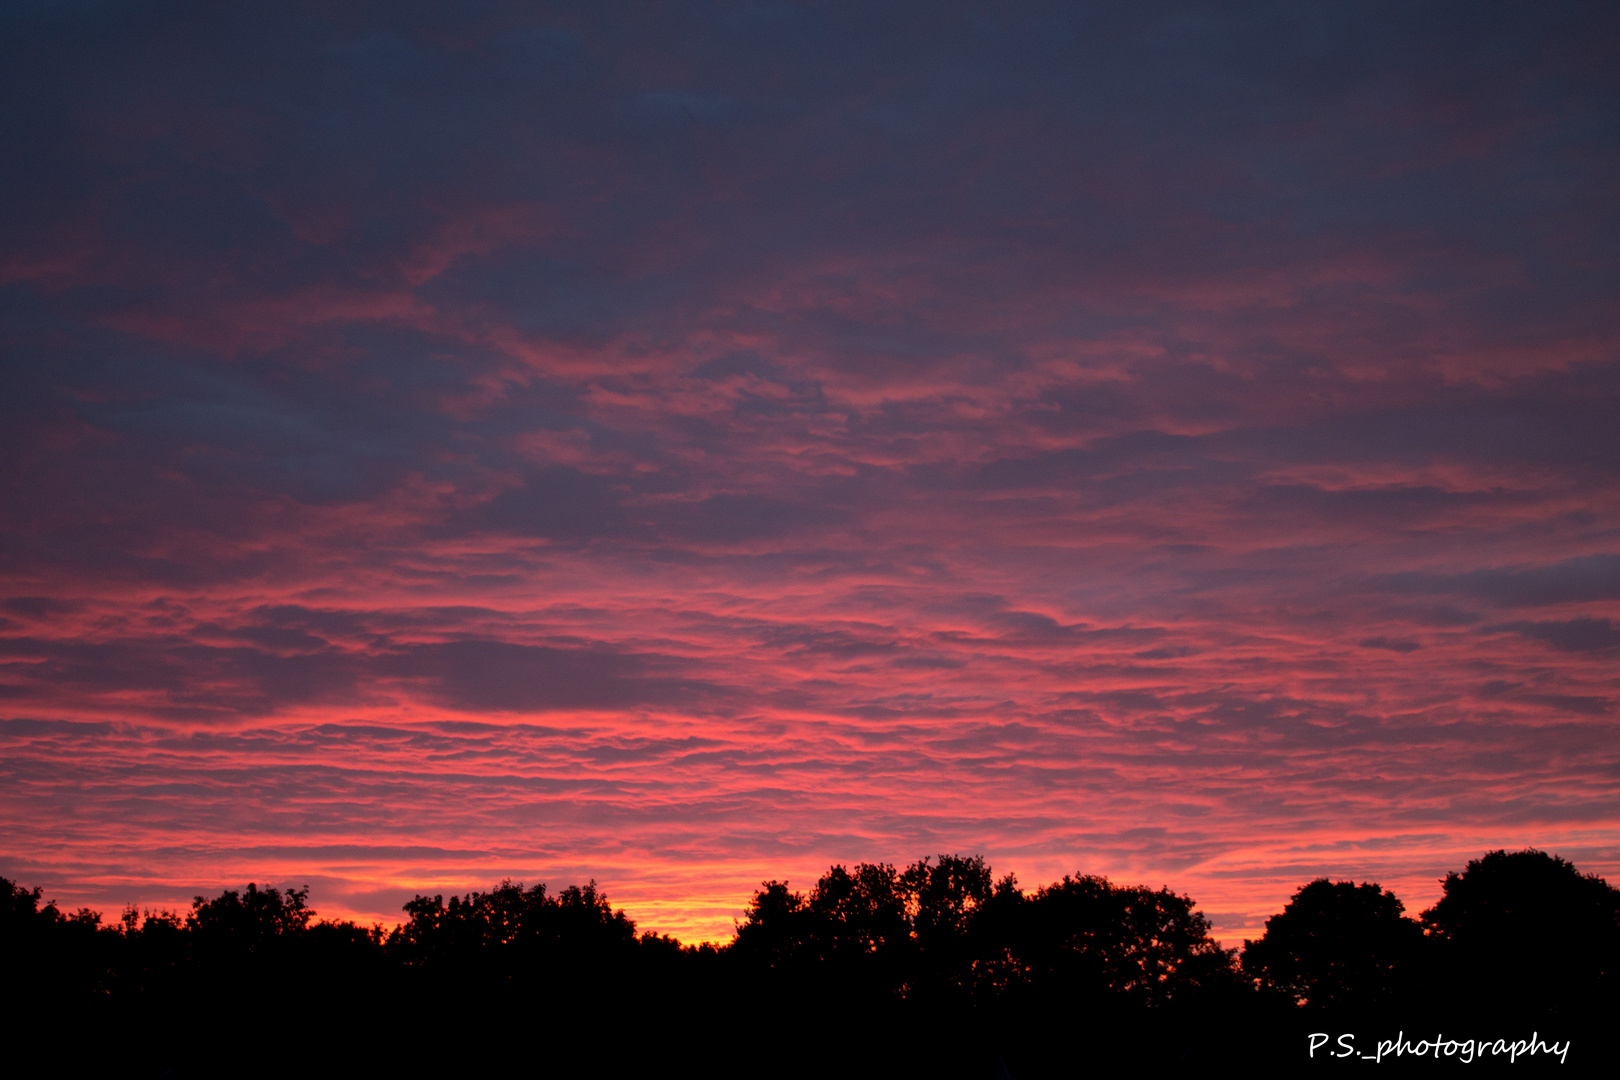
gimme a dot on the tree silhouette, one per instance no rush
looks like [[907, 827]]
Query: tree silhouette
[[944, 897], [47, 954], [1336, 945], [891, 932], [774, 929], [251, 921], [870, 963], [1087, 938], [525, 939], [1526, 934]]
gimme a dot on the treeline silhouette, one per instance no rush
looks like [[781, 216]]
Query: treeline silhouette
[[937, 969]]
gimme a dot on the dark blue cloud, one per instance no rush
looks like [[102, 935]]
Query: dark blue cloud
[[1584, 578], [1398, 645], [679, 155], [1570, 635], [479, 676]]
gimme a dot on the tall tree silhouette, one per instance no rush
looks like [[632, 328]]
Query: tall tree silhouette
[[47, 955], [1525, 934], [1336, 945], [774, 929], [252, 921], [1089, 939], [513, 934], [858, 927], [944, 897], [891, 932]]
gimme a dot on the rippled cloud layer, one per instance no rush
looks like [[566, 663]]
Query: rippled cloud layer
[[685, 445]]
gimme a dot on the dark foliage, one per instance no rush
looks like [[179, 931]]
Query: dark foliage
[[1337, 945], [1526, 933], [511, 933], [869, 969], [893, 934], [1089, 938]]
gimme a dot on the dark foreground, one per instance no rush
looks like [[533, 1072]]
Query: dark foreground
[[935, 970]]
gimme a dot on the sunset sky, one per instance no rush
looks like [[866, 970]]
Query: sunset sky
[[688, 444]]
